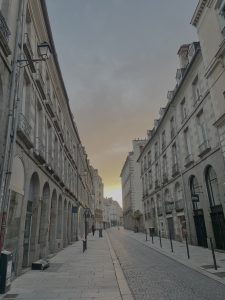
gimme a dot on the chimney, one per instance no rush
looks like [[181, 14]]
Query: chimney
[[183, 55]]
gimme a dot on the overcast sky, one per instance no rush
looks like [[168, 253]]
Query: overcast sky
[[118, 59]]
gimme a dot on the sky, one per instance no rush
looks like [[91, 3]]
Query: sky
[[118, 59]]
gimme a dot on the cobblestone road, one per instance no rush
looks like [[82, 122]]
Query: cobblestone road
[[153, 276]]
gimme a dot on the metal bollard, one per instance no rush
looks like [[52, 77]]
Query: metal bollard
[[171, 243], [146, 235], [160, 239], [188, 254], [84, 245], [213, 254], [100, 232], [152, 238]]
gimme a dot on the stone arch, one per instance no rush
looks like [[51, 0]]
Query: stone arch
[[16, 197], [65, 222], [212, 186], [52, 225], [30, 231], [69, 219], [60, 218], [43, 226]]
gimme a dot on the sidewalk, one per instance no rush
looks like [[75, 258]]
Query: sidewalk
[[72, 275], [200, 258]]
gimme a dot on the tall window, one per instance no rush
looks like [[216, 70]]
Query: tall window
[[172, 127], [187, 142], [26, 102], [165, 165], [222, 17], [174, 154], [163, 139], [195, 89], [149, 158], [183, 110], [212, 186], [202, 130], [150, 178], [156, 150], [157, 171]]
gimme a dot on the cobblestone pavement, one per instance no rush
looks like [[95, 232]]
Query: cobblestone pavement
[[154, 276]]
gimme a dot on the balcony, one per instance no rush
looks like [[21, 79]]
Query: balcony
[[179, 205], [175, 170], [49, 163], [56, 174], [169, 207], [39, 150], [40, 84], [4, 35], [157, 184], [27, 49], [24, 131], [188, 160], [165, 178], [204, 148], [160, 211], [49, 105]]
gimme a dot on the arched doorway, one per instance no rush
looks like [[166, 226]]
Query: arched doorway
[[198, 213], [52, 226], [59, 218], [217, 215], [65, 222], [15, 210], [31, 220], [43, 226], [69, 223]]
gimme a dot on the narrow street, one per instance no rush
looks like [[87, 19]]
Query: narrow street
[[151, 275]]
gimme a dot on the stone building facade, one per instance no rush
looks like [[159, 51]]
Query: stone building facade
[[132, 186], [51, 181], [182, 165], [98, 198]]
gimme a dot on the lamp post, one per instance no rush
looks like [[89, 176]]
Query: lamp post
[[87, 215]]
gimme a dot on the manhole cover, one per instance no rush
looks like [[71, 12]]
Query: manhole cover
[[209, 266], [220, 274], [10, 296], [54, 267]]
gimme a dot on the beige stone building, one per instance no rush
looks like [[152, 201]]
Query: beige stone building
[[132, 187], [51, 181], [112, 213], [182, 163]]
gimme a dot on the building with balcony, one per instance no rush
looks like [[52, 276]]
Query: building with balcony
[[131, 186], [209, 20], [51, 180], [185, 177]]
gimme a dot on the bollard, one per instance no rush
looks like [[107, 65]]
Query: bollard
[[100, 232], [188, 254], [152, 238], [146, 235], [84, 245], [171, 243], [160, 240], [213, 254]]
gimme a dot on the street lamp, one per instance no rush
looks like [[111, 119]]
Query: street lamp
[[44, 52], [87, 215]]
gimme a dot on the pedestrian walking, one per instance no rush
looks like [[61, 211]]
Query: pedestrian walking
[[93, 229]]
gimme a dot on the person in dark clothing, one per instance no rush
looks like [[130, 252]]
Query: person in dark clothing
[[93, 229]]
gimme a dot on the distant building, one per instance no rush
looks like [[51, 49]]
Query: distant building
[[112, 213], [132, 187]]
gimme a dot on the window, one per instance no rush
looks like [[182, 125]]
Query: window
[[163, 139], [150, 178], [164, 165], [195, 89], [172, 127], [222, 17], [149, 158], [183, 110], [212, 186], [157, 171], [187, 142], [174, 154], [202, 132], [156, 150]]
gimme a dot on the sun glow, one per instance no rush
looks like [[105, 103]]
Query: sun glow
[[115, 192]]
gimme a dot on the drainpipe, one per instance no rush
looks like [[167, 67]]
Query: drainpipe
[[14, 106]]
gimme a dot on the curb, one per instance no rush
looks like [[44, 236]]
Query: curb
[[188, 265], [121, 280]]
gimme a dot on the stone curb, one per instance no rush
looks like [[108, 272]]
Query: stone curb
[[121, 280], [187, 264]]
